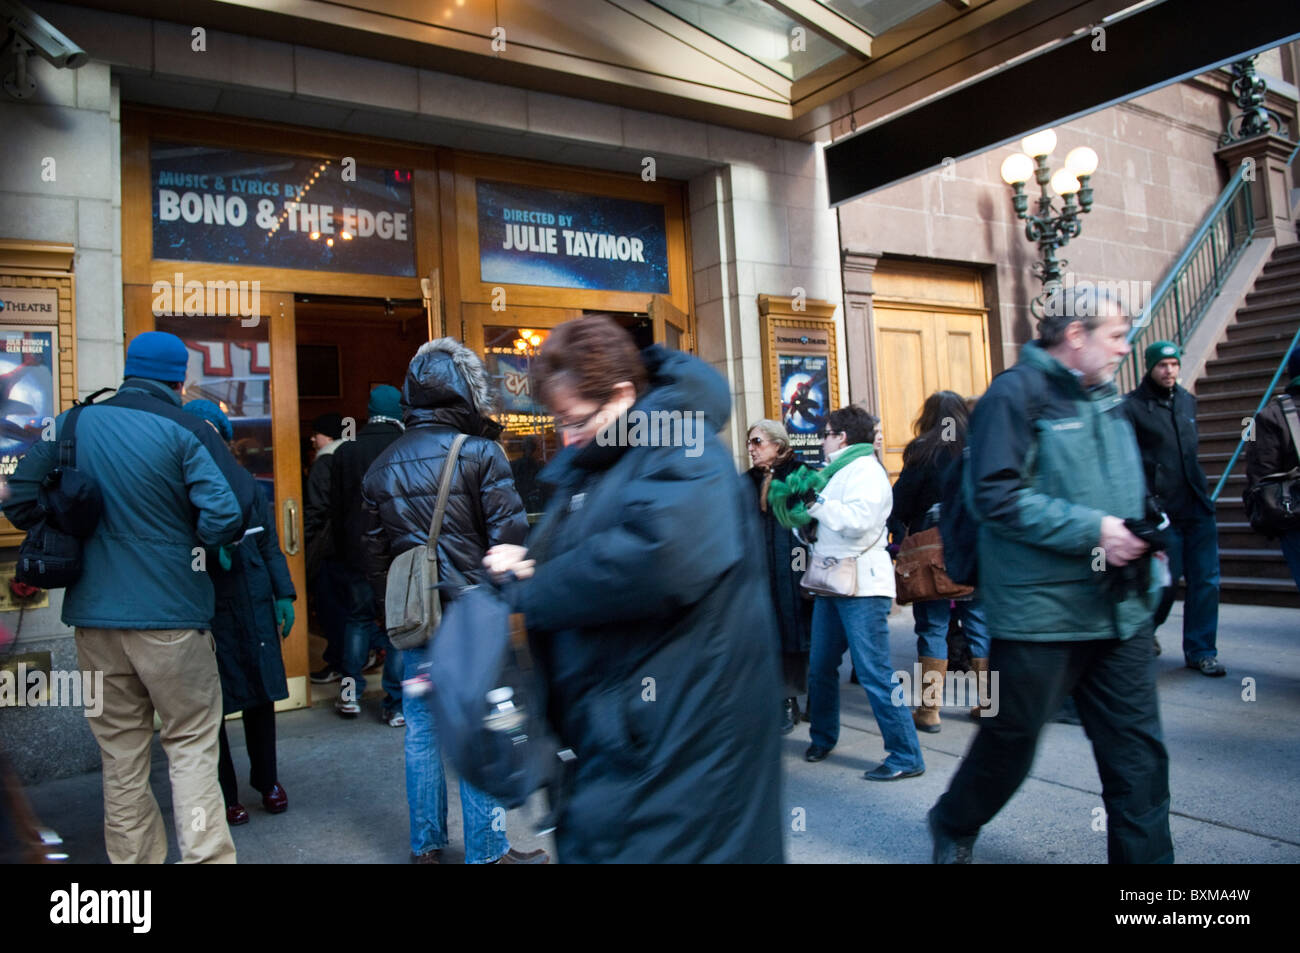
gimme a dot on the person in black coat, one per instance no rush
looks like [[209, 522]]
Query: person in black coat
[[938, 444], [1163, 416], [1273, 451], [254, 611], [770, 452], [361, 631], [649, 613], [446, 393]]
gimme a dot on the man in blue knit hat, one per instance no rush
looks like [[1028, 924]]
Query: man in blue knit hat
[[143, 605], [1163, 416]]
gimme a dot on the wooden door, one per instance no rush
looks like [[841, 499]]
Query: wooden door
[[930, 334], [248, 364], [671, 324]]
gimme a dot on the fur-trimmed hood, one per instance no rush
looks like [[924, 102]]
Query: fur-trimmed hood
[[446, 384]]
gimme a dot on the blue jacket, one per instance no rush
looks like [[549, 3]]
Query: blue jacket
[[167, 494]]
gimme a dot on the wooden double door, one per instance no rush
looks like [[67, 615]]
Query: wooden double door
[[930, 334]]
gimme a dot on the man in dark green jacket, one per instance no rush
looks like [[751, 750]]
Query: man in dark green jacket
[[1054, 473]]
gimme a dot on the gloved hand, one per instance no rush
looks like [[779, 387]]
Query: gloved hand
[[808, 497], [284, 616], [225, 556]]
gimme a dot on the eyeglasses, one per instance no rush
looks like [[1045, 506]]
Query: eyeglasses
[[756, 441], [828, 433], [563, 425]]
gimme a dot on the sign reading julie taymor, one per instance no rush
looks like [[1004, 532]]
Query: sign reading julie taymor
[[531, 236], [280, 211]]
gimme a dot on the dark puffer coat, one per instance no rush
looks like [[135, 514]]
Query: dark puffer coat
[[348, 466], [650, 614], [445, 393], [793, 611], [243, 626]]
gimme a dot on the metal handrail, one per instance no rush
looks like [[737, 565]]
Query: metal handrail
[[1268, 395], [1192, 262]]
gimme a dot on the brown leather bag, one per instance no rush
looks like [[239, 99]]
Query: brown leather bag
[[919, 572]]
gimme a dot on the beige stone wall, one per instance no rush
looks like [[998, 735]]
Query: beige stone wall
[[1156, 179]]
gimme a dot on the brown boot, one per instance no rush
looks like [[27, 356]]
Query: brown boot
[[978, 666], [926, 717]]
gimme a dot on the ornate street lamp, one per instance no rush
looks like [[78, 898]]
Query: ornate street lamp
[[1255, 118], [1049, 228]]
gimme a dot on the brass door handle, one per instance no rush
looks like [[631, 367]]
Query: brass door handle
[[292, 531]]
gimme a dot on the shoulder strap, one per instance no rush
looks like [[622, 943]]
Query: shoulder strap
[[68, 439], [1292, 419], [444, 490]]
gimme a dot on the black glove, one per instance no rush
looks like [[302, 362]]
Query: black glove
[[809, 497]]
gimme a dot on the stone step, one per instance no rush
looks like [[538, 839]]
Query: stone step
[[1264, 358], [1255, 381], [1250, 590]]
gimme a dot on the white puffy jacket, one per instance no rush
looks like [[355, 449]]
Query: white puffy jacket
[[851, 516]]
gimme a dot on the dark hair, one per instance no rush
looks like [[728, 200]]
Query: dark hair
[[591, 355], [857, 425], [940, 430]]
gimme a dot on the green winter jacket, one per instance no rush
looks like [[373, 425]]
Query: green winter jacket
[[1048, 459]]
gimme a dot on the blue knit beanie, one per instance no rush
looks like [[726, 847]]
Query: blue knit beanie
[[158, 356], [213, 414], [385, 401]]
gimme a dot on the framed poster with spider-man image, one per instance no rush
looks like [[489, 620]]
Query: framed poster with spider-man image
[[801, 371]]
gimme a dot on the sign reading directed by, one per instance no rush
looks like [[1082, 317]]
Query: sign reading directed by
[[554, 239], [279, 211]]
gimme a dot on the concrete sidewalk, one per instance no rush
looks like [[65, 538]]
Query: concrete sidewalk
[[1235, 768]]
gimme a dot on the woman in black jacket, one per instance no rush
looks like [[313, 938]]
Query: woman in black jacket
[[940, 439], [647, 606], [773, 458], [445, 394], [253, 612]]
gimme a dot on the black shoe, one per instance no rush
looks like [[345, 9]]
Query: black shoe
[[1209, 666], [949, 850], [326, 675], [816, 753], [882, 773], [787, 716]]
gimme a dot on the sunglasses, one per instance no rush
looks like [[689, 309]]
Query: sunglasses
[[756, 441]]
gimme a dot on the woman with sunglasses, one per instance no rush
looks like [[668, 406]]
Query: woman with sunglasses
[[773, 458], [851, 500], [647, 609]]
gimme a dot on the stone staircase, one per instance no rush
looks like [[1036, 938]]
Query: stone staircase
[[1252, 567]]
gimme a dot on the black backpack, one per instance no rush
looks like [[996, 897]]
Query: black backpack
[[70, 504]]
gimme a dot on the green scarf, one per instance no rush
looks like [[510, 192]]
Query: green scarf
[[785, 495]]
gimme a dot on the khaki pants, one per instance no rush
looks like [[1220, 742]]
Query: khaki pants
[[173, 672]]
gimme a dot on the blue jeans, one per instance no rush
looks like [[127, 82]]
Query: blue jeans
[[859, 623], [426, 790], [1291, 550], [1194, 552], [361, 631], [932, 627]]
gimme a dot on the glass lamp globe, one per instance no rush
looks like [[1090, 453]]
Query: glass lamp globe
[[1081, 161], [1064, 182], [1039, 143], [1017, 168]]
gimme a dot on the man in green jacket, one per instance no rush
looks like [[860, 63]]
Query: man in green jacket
[[1054, 473]]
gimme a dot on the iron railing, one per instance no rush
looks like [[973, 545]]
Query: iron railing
[[1268, 394], [1248, 425], [1180, 300]]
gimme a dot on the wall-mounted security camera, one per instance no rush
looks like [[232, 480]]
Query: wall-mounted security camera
[[29, 32]]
